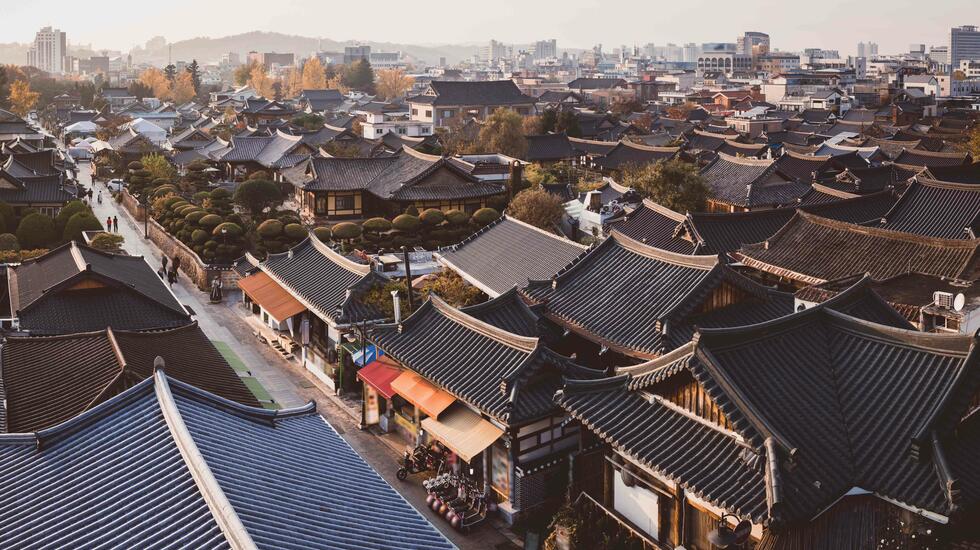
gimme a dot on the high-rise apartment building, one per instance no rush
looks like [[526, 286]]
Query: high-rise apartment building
[[964, 43], [49, 51], [545, 49], [867, 49]]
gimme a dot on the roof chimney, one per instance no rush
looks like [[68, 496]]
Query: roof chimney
[[396, 301]]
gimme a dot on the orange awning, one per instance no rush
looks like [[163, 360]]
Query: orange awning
[[463, 431], [380, 374], [263, 290], [419, 392]]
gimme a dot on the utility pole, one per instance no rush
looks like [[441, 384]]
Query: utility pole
[[408, 280]]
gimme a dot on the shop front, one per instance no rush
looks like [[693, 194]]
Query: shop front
[[282, 315], [377, 392], [415, 400]]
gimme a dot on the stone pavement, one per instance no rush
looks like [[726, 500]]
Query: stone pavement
[[288, 382]]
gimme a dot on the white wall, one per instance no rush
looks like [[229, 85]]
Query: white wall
[[637, 504]]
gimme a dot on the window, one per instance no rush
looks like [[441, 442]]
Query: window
[[447, 114], [321, 204], [428, 113], [415, 112], [378, 131], [345, 202], [401, 130]]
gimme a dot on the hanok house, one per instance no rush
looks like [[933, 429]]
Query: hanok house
[[508, 253], [639, 302], [166, 463], [936, 209], [627, 154], [75, 288], [928, 302], [822, 430], [353, 188], [446, 101], [307, 299], [740, 184], [272, 153], [46, 194], [48, 380], [811, 250], [484, 393], [257, 110]]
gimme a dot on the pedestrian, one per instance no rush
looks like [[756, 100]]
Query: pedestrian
[[165, 260], [108, 224], [115, 224], [176, 263], [171, 276]]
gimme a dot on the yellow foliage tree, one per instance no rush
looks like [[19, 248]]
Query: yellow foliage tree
[[293, 83], [155, 80], [337, 83], [183, 90], [314, 77], [260, 81], [392, 83], [22, 98]]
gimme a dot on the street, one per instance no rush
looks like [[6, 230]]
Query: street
[[287, 382]]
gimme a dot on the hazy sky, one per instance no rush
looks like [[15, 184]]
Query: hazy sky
[[793, 25]]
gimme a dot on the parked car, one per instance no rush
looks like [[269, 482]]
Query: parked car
[[115, 185]]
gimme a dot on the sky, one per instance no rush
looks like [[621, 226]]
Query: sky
[[830, 24]]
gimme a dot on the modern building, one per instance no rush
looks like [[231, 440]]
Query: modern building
[[353, 53], [964, 43], [49, 51], [867, 49], [752, 43], [545, 49], [272, 58]]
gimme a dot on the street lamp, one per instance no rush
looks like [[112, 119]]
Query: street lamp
[[144, 202]]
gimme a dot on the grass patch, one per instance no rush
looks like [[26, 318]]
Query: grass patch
[[229, 354]]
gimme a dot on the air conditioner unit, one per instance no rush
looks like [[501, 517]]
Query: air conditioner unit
[[943, 299]]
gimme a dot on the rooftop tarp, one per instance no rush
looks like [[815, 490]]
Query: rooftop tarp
[[463, 431], [273, 298], [418, 391], [380, 374]]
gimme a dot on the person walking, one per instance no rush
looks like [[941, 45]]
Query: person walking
[[108, 224], [115, 224], [165, 260]]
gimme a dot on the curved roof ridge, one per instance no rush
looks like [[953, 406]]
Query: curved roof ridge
[[702, 262], [522, 343], [592, 141], [336, 257], [884, 233], [570, 385], [833, 192], [652, 365], [725, 137], [505, 217], [663, 210], [937, 154], [952, 185], [745, 161], [422, 156], [801, 156], [498, 301], [650, 148]]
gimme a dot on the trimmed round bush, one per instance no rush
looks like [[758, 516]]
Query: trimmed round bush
[[179, 224], [294, 231], [36, 231], [194, 216], [412, 211], [186, 209], [457, 218], [322, 233], [211, 220], [135, 165], [376, 225], [232, 230], [9, 217], [269, 229], [172, 202], [432, 217], [164, 189], [69, 210], [8, 241], [484, 216], [406, 223], [199, 236], [211, 245], [82, 221], [220, 193], [346, 230], [288, 218]]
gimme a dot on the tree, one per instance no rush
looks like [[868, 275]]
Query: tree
[[157, 81], [680, 112], [257, 195], [183, 88], [622, 107], [537, 207], [159, 167], [675, 184], [110, 242], [4, 92], [341, 150], [67, 211], [293, 82], [452, 288], [503, 132], [548, 121], [261, 82], [80, 222], [532, 126], [314, 77], [360, 76], [170, 71], [567, 122], [195, 71], [537, 175], [974, 145], [22, 99], [243, 73], [36, 231], [393, 83]]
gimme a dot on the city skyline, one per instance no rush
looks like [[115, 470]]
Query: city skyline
[[510, 22]]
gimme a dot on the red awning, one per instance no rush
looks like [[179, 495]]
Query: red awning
[[379, 374]]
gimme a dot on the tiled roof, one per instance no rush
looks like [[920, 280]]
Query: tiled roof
[[720, 233], [802, 168], [966, 173], [811, 249], [482, 365], [51, 379], [633, 298], [626, 154], [874, 179], [168, 465], [508, 253], [269, 151], [656, 226], [750, 183], [495, 92], [929, 159], [507, 312], [28, 191], [936, 209], [596, 83], [859, 209], [324, 281], [128, 295], [549, 147], [812, 420]]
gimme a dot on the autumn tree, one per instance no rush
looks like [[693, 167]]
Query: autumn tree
[[503, 132], [261, 82], [360, 76], [156, 80], [293, 82], [3, 87], [393, 83], [183, 88], [974, 145], [244, 72], [314, 76], [22, 98], [537, 207], [675, 184], [680, 112]]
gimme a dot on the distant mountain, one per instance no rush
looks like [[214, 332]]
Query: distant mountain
[[206, 49]]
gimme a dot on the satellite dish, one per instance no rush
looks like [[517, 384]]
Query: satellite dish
[[959, 301]]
